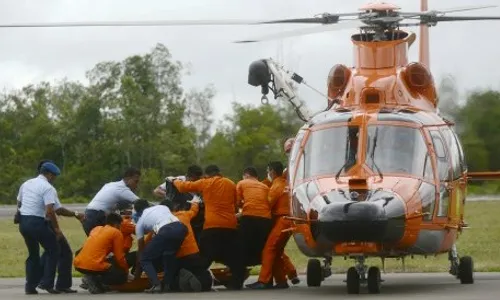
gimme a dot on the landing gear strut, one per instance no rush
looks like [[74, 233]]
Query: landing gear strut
[[360, 274], [316, 272], [462, 268]]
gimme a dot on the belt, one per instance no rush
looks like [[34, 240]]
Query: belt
[[158, 226]]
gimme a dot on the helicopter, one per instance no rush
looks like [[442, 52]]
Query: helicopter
[[378, 173]]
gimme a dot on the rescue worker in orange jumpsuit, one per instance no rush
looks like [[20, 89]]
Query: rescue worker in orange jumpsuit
[[218, 241], [255, 222], [92, 259], [273, 264], [289, 267]]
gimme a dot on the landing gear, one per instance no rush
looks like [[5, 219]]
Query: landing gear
[[466, 270], [360, 275], [462, 268], [316, 272]]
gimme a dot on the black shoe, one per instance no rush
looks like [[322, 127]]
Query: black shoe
[[49, 290], [94, 286], [31, 292], [295, 280], [155, 289], [259, 286], [67, 291], [283, 285]]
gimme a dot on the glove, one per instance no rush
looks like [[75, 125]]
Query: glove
[[196, 199]]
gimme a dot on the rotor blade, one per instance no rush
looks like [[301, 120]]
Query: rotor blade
[[449, 10], [134, 23], [304, 31], [465, 18], [325, 18]]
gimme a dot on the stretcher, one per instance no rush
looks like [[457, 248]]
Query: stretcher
[[221, 276]]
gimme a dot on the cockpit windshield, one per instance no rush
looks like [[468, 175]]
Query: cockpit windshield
[[331, 150], [397, 149]]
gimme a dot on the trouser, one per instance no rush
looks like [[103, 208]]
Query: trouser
[[290, 270], [114, 275], [93, 218], [221, 245], [195, 264], [36, 231], [64, 265], [165, 245], [273, 264], [253, 232]]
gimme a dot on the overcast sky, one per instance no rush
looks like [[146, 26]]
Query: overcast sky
[[468, 50]]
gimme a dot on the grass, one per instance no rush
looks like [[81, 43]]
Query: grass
[[481, 241]]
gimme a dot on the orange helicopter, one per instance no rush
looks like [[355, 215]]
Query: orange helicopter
[[379, 173]]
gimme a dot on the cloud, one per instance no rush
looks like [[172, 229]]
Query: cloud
[[465, 49]]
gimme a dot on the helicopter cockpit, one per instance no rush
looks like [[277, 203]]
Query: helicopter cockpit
[[389, 148]]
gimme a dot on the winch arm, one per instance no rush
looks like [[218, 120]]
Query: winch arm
[[270, 76]]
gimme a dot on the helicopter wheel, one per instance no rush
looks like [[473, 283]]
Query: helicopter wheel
[[314, 272], [466, 270], [374, 280], [353, 281]]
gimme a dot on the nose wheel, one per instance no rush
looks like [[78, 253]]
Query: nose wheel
[[359, 275], [316, 272]]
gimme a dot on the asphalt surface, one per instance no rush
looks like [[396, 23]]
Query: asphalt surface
[[396, 286], [7, 211]]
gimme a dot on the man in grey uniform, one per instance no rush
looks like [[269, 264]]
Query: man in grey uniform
[[105, 201], [169, 235]]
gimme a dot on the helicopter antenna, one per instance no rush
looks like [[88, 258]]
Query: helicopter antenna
[[424, 38]]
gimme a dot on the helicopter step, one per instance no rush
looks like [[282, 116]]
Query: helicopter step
[[362, 275], [316, 272]]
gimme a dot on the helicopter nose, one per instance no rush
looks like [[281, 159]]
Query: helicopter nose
[[363, 221]]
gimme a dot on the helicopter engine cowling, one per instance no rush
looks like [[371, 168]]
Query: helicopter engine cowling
[[379, 218]]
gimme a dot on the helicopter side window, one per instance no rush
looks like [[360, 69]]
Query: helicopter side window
[[443, 164], [444, 201], [397, 149], [454, 153], [331, 150], [463, 162], [294, 153]]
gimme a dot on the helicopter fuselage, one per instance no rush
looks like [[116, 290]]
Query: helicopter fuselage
[[382, 173]]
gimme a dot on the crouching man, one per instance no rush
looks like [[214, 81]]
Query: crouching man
[[169, 235], [92, 258], [192, 275]]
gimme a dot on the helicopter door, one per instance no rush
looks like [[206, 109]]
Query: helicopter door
[[444, 169]]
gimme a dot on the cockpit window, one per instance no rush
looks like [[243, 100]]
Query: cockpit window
[[397, 149], [331, 151]]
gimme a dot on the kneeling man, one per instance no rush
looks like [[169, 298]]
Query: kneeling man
[[169, 235], [92, 258]]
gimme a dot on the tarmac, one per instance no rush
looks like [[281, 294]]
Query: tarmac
[[395, 286]]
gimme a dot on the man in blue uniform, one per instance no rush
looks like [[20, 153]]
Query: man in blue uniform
[[37, 200], [169, 235]]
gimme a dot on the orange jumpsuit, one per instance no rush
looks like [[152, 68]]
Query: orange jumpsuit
[[219, 196], [273, 262], [290, 270], [189, 246]]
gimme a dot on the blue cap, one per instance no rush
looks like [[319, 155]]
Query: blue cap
[[51, 168]]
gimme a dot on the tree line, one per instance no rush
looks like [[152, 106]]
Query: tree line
[[135, 112]]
